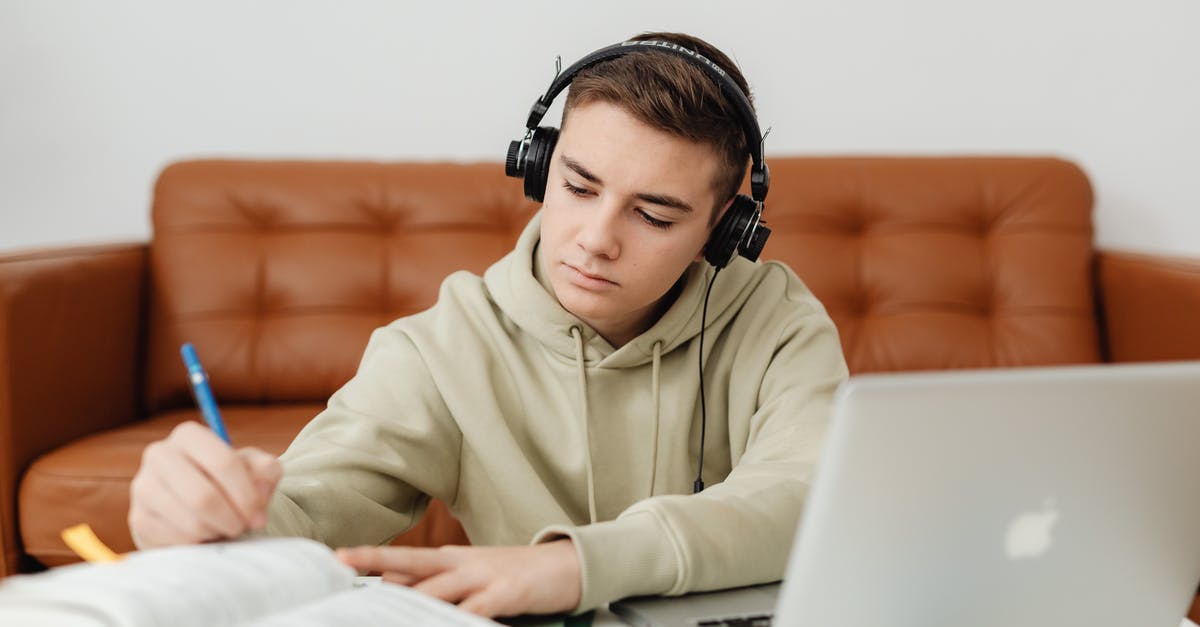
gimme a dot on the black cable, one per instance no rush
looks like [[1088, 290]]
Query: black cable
[[699, 484]]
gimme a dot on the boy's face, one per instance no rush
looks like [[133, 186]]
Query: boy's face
[[626, 210]]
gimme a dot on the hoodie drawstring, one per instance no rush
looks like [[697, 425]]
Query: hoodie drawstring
[[587, 423], [654, 437]]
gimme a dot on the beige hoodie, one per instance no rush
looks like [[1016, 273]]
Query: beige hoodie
[[531, 427]]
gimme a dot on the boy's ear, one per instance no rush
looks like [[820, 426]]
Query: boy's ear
[[712, 225]]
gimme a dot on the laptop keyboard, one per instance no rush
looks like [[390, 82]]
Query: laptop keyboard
[[757, 620]]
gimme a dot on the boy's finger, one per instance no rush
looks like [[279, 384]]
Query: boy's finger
[[418, 563], [451, 586], [224, 468], [264, 466], [266, 472], [399, 579], [168, 486], [488, 603]]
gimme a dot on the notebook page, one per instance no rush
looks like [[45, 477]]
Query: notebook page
[[49, 617], [381, 605], [190, 586]]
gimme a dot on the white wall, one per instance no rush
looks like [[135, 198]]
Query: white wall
[[95, 97]]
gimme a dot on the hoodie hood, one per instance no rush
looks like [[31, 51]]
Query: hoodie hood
[[514, 285]]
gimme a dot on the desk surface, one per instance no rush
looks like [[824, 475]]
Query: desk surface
[[600, 618], [605, 618]]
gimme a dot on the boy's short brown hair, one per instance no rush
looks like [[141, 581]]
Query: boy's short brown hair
[[671, 94]]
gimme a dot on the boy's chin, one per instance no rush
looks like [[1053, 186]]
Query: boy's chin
[[586, 307]]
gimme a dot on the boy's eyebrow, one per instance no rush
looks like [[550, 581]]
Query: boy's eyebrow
[[578, 168], [666, 201], [657, 199]]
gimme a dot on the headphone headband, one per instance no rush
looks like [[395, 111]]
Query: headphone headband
[[760, 178]]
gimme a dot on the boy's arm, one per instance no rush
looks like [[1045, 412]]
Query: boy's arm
[[737, 532], [363, 470]]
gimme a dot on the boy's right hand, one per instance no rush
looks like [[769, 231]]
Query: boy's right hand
[[192, 487]]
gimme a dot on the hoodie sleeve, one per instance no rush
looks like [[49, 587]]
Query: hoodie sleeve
[[384, 444], [737, 532]]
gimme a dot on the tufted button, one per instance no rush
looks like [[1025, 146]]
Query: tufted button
[[377, 218], [860, 306], [982, 226], [854, 222]]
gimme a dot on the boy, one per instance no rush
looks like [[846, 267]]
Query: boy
[[555, 402]]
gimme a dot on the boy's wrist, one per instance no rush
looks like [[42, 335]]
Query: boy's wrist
[[617, 558]]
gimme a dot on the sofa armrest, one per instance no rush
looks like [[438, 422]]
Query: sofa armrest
[[70, 341], [1150, 306]]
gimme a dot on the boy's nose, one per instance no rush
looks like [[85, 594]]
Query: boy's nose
[[599, 236]]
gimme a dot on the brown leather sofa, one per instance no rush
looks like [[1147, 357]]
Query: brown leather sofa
[[278, 271]]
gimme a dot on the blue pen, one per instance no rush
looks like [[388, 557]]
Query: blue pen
[[204, 395]]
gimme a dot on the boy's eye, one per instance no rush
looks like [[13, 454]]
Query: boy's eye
[[647, 218], [653, 221], [577, 191]]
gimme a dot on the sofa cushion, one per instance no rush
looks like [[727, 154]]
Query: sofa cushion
[[87, 481]]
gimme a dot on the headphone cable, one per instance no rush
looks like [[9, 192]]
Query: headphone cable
[[699, 483]]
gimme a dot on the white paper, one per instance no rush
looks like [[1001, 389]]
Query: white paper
[[385, 605], [262, 582], [191, 586]]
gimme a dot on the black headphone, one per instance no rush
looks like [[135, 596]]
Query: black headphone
[[740, 230]]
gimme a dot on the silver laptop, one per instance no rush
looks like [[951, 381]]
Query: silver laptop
[[1031, 497]]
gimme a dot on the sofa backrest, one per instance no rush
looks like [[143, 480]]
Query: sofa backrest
[[935, 263], [278, 271]]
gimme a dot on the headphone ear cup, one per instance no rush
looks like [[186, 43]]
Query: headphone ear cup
[[723, 241], [537, 162]]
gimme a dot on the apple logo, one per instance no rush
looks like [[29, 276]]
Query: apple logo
[[1029, 535]]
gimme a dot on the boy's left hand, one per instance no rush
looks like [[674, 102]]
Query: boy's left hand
[[489, 581]]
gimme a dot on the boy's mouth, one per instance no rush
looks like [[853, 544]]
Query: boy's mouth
[[588, 279]]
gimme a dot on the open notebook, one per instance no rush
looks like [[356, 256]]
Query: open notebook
[[263, 583]]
